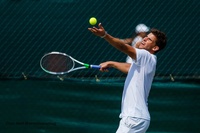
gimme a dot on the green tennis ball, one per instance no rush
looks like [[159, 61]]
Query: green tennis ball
[[93, 21]]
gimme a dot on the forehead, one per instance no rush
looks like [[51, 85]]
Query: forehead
[[152, 37]]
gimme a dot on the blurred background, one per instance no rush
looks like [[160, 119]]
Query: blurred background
[[88, 100]]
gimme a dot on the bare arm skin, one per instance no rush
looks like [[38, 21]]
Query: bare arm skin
[[123, 67], [115, 42]]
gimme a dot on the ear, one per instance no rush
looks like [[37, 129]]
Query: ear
[[155, 48]]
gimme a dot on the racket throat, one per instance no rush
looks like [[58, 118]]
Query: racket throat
[[87, 65]]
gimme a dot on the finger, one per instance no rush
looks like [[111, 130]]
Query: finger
[[91, 29], [105, 70], [100, 26], [95, 28]]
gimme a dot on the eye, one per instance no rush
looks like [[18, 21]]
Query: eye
[[150, 39]]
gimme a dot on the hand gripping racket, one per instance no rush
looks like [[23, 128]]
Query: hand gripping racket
[[58, 63]]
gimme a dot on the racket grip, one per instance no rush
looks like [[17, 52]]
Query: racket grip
[[95, 66]]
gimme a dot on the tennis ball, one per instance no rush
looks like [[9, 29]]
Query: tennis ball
[[93, 21]]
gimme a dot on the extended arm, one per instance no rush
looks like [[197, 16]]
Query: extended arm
[[115, 42], [127, 40]]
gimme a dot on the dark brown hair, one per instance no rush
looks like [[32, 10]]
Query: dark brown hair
[[161, 38]]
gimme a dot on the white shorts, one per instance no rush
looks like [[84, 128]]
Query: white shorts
[[133, 125]]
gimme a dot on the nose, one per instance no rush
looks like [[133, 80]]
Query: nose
[[145, 38]]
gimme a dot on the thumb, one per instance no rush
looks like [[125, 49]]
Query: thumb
[[100, 26]]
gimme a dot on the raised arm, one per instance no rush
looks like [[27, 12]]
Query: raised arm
[[115, 42], [127, 40]]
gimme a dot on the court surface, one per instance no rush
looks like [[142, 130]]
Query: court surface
[[74, 106]]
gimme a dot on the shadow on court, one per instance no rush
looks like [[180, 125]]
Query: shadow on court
[[71, 106]]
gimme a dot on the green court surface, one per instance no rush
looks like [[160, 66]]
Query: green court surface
[[73, 106]]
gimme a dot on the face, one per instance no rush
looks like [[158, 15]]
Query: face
[[149, 43]]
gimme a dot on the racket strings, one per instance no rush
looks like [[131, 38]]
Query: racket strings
[[57, 63]]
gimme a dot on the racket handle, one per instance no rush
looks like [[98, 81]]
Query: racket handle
[[95, 66]]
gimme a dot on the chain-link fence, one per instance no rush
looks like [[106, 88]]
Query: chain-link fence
[[31, 28]]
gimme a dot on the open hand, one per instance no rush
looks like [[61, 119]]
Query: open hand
[[100, 31]]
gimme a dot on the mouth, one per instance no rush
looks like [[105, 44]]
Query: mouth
[[142, 43]]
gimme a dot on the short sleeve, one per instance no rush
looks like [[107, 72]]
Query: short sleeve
[[142, 57]]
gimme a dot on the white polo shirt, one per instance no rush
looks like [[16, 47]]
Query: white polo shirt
[[137, 85]]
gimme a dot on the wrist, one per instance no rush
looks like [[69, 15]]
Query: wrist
[[104, 35]]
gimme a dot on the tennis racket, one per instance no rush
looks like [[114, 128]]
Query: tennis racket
[[58, 63]]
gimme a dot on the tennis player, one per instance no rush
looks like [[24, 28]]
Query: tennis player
[[135, 117]]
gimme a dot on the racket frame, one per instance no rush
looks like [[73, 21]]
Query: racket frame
[[84, 65]]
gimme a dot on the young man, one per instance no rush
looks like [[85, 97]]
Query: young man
[[135, 117]]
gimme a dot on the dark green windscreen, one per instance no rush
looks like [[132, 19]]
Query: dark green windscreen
[[31, 28]]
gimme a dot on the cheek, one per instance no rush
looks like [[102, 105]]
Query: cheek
[[148, 45]]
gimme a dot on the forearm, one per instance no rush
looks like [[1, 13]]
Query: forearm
[[121, 46], [117, 43], [123, 67], [127, 40]]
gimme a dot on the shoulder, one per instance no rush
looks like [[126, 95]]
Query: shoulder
[[144, 56], [142, 51]]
